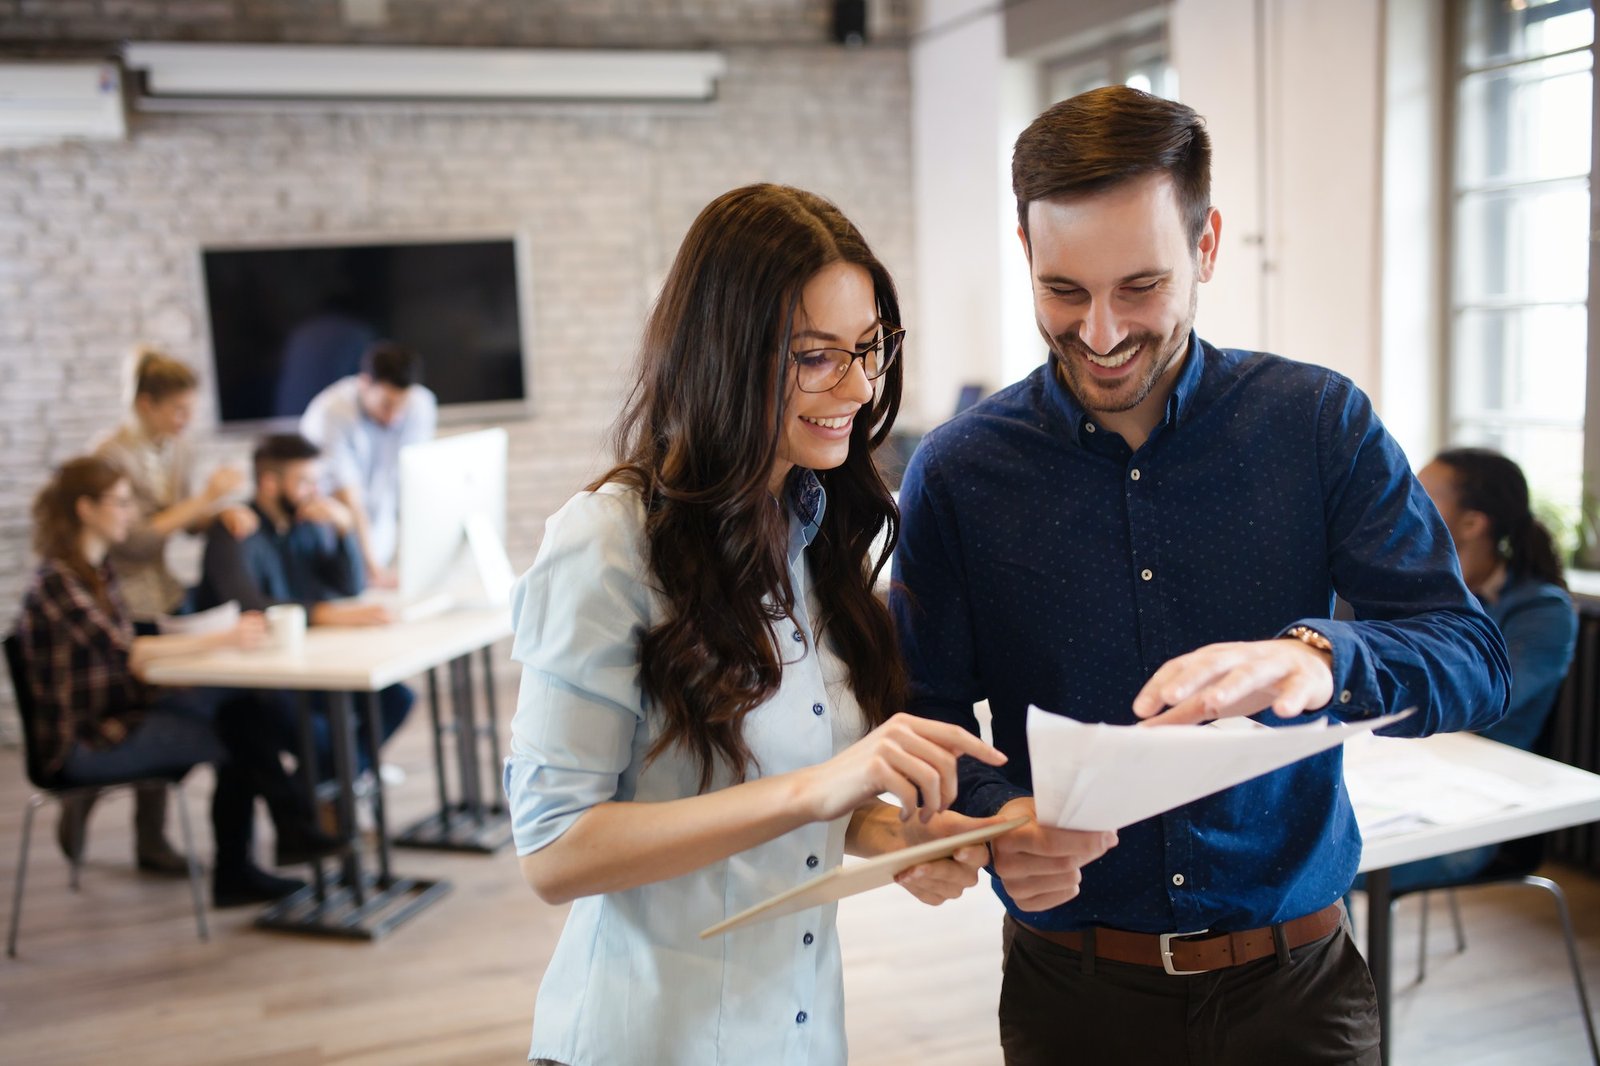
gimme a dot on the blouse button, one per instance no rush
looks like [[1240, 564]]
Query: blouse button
[[807, 939], [816, 709], [798, 636], [811, 861], [800, 1018]]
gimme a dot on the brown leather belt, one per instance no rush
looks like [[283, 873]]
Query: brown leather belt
[[1182, 953]]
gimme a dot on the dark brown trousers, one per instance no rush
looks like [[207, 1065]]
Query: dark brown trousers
[[1058, 1009]]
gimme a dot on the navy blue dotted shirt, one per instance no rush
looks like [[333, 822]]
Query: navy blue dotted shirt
[[1043, 561]]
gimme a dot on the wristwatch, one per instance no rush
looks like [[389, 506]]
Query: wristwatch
[[1310, 637]]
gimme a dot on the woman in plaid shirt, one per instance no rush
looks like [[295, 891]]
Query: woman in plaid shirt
[[96, 721]]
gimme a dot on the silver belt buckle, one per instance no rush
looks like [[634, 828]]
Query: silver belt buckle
[[1166, 952]]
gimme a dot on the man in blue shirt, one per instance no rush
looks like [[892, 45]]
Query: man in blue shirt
[[1148, 528], [305, 551]]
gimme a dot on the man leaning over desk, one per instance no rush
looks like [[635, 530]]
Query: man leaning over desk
[[1148, 528], [305, 551]]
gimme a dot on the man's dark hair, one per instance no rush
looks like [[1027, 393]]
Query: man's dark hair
[[278, 450], [1107, 136], [390, 364]]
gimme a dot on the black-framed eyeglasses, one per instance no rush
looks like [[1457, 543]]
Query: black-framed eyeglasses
[[820, 369]]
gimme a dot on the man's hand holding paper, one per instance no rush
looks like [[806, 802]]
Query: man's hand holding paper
[[1040, 865]]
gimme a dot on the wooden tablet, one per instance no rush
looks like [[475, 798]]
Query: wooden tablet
[[851, 878]]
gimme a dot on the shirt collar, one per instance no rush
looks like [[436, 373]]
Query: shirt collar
[[1178, 404], [808, 501]]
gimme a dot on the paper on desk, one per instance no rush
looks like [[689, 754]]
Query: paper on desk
[[1397, 787], [218, 619], [1098, 776]]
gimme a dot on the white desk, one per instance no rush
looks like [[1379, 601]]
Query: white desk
[[1557, 796], [343, 661]]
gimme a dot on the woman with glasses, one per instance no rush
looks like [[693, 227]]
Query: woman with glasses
[[97, 722], [709, 690]]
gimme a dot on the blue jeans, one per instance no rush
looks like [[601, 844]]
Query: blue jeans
[[176, 735]]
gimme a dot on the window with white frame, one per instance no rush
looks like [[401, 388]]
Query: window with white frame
[[1138, 59], [1519, 234]]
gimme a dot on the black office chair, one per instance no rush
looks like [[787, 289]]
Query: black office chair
[[1514, 863], [50, 788]]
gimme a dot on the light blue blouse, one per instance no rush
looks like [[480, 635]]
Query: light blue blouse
[[630, 981]]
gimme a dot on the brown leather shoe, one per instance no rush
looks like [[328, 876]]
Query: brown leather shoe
[[161, 858]]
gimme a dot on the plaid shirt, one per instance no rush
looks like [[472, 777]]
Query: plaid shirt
[[77, 655]]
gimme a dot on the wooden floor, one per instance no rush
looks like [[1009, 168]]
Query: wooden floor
[[115, 974]]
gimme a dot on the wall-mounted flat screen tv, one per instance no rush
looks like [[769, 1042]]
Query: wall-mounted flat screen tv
[[285, 322]]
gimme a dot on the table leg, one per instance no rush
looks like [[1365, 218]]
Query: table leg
[[1380, 951], [473, 823], [374, 731], [467, 742], [492, 727], [308, 770], [341, 723], [438, 746]]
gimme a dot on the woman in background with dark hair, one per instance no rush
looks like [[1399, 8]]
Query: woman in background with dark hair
[[1509, 561], [97, 721], [702, 653]]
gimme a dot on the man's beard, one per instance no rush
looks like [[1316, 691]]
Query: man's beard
[[1095, 396]]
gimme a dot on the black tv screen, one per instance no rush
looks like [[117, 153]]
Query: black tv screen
[[285, 322]]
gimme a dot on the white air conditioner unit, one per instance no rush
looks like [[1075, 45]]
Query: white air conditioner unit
[[51, 102], [178, 73]]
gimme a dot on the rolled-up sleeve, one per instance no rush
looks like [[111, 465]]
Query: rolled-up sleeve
[[579, 614]]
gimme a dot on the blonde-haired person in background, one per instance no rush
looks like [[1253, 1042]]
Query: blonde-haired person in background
[[150, 450]]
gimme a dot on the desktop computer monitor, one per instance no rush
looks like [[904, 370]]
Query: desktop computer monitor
[[453, 523]]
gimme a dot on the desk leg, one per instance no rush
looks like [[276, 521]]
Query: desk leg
[[471, 824], [357, 906], [467, 741], [1380, 951], [493, 726], [308, 770], [369, 702], [341, 723], [438, 746]]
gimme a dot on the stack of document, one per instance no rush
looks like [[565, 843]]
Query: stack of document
[[1399, 787], [1097, 776]]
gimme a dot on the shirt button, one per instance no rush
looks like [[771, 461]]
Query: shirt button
[[1134, 473], [816, 709], [807, 939], [798, 636], [800, 1018], [1147, 573], [1177, 879], [811, 862], [1344, 697], [1089, 426]]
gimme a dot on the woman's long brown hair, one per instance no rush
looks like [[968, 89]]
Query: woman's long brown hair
[[57, 529], [699, 439]]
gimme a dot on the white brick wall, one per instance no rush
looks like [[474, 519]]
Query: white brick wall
[[98, 243]]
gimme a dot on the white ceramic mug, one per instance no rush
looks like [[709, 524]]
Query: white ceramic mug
[[286, 627]]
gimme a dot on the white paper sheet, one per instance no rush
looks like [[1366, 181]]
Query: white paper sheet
[[1413, 788], [1097, 776], [218, 619]]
